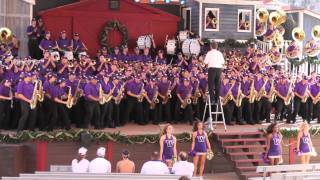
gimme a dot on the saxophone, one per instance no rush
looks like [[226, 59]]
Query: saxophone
[[228, 97], [272, 92], [77, 94], [305, 95], [108, 96], [262, 91], [168, 95], [196, 95], [101, 95], [155, 100], [40, 93], [34, 98], [239, 97], [141, 94], [70, 100], [119, 97], [252, 95], [289, 95], [186, 102], [316, 99]]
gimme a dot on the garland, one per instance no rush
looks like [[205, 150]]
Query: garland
[[293, 132], [74, 135], [296, 61], [103, 38]]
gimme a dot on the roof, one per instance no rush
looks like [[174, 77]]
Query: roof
[[86, 4], [291, 9]]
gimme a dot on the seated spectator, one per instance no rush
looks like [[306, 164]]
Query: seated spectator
[[80, 164], [184, 178], [125, 165], [100, 164], [155, 166], [183, 167]]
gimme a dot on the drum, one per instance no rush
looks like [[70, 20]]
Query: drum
[[56, 55], [171, 46], [144, 42], [83, 53], [68, 55], [183, 35], [191, 47]]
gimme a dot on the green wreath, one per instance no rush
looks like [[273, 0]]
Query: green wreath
[[296, 61], [110, 26], [313, 60]]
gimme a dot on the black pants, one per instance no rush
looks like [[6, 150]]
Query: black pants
[[247, 110], [281, 108], [133, 106], [51, 114], [115, 114], [298, 104], [151, 115], [196, 109], [165, 111], [106, 115], [28, 116], [316, 111], [266, 109], [257, 111], [5, 114], [63, 115], [92, 114], [33, 47], [232, 112], [214, 82], [16, 113], [186, 113], [76, 113]]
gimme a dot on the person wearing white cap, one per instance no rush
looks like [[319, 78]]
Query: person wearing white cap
[[100, 164], [155, 166], [81, 164]]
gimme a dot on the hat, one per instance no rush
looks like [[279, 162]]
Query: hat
[[104, 48], [63, 32], [101, 152], [27, 75], [82, 151], [185, 79], [76, 34], [72, 73], [179, 53], [47, 32], [61, 80], [8, 80]]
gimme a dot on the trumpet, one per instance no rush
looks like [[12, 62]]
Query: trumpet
[[93, 62], [185, 103], [70, 63]]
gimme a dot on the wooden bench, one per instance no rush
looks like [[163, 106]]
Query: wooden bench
[[60, 168], [284, 168]]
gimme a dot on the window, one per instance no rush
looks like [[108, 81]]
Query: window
[[211, 19], [186, 15], [244, 20], [114, 4]]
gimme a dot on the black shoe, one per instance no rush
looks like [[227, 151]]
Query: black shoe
[[259, 122], [251, 123], [268, 121], [288, 122], [230, 123], [241, 123]]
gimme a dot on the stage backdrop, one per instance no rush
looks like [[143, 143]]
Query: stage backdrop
[[88, 17]]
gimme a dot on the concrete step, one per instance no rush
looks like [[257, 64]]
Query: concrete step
[[241, 161], [247, 168]]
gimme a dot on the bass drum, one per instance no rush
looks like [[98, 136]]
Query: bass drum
[[171, 47], [183, 35], [68, 55], [191, 47], [144, 42]]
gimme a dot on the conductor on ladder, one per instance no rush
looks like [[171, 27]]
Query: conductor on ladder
[[215, 62]]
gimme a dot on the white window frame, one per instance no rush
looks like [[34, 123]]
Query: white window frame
[[250, 20], [184, 15], [218, 17]]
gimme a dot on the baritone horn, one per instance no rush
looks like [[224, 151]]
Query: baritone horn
[[315, 33], [298, 34], [278, 17], [5, 35], [263, 15]]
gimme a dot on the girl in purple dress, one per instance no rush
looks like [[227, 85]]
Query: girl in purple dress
[[304, 143], [200, 145], [168, 146], [274, 141]]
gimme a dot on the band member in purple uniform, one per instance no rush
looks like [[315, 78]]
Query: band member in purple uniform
[[77, 45], [33, 34], [64, 44], [304, 143], [183, 103], [301, 93], [25, 91], [225, 93], [315, 97], [164, 89], [200, 145], [283, 93], [274, 141], [259, 86], [168, 146], [49, 105], [6, 98], [106, 109], [151, 102], [60, 98], [47, 43], [91, 92]]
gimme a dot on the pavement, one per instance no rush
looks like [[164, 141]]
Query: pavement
[[222, 176]]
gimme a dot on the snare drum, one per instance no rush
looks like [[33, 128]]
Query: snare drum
[[191, 47], [83, 53], [183, 35], [56, 54], [171, 46], [68, 55], [144, 42]]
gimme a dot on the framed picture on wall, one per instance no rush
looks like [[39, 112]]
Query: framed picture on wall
[[211, 19], [244, 20]]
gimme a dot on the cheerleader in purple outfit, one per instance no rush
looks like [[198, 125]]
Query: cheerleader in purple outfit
[[304, 143], [274, 141], [200, 145], [168, 148]]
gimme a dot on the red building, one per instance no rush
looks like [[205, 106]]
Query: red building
[[88, 17]]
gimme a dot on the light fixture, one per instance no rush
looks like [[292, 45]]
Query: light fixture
[[136, 1], [152, 1], [182, 2], [168, 1]]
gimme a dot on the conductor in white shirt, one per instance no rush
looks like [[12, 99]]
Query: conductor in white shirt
[[215, 61], [100, 164], [155, 166], [183, 167], [80, 164]]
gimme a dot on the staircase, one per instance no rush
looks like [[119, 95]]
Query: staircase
[[244, 150]]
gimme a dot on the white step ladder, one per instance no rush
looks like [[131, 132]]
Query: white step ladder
[[218, 110]]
